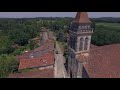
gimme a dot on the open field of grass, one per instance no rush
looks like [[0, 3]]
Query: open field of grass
[[109, 25]]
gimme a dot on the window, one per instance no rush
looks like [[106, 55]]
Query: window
[[79, 27], [81, 44], [88, 26], [74, 43], [83, 27], [86, 43]]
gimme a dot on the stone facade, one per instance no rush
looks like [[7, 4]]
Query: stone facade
[[44, 36], [79, 44]]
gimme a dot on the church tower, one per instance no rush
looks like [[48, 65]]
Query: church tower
[[79, 44]]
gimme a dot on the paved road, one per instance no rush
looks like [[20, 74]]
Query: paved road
[[59, 63]]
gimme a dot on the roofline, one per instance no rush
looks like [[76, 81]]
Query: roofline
[[37, 66]]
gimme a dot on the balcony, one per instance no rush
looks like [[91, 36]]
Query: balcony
[[85, 31]]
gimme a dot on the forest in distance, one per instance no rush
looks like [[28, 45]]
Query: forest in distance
[[16, 36]]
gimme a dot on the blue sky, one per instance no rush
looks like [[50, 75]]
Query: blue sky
[[56, 14]]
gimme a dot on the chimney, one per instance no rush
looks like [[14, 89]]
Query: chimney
[[44, 34]]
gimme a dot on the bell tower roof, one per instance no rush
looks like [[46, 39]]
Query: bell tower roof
[[82, 17]]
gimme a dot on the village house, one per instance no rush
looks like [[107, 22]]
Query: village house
[[39, 61]]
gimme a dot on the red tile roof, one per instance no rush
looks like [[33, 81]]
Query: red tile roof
[[44, 52], [82, 17], [104, 62], [45, 60], [49, 44], [46, 73]]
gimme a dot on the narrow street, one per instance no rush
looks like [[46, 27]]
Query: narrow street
[[60, 71]]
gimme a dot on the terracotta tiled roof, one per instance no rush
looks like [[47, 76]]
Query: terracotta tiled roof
[[46, 73], [24, 55], [82, 17], [49, 44], [44, 60], [104, 62], [37, 57]]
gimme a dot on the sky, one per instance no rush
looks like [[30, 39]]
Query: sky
[[55, 14]]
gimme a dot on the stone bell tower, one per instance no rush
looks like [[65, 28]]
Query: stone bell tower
[[79, 44]]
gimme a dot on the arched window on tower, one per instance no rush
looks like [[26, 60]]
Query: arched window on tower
[[86, 43], [74, 43], [81, 44]]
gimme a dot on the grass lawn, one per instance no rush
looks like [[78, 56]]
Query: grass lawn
[[110, 25]]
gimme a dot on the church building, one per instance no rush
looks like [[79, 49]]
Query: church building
[[86, 60], [79, 44]]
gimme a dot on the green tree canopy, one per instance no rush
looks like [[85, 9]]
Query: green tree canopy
[[8, 64]]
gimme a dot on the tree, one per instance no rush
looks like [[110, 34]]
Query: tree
[[105, 35], [32, 44], [8, 64]]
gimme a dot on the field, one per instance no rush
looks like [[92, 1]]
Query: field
[[110, 26], [114, 25], [106, 33]]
